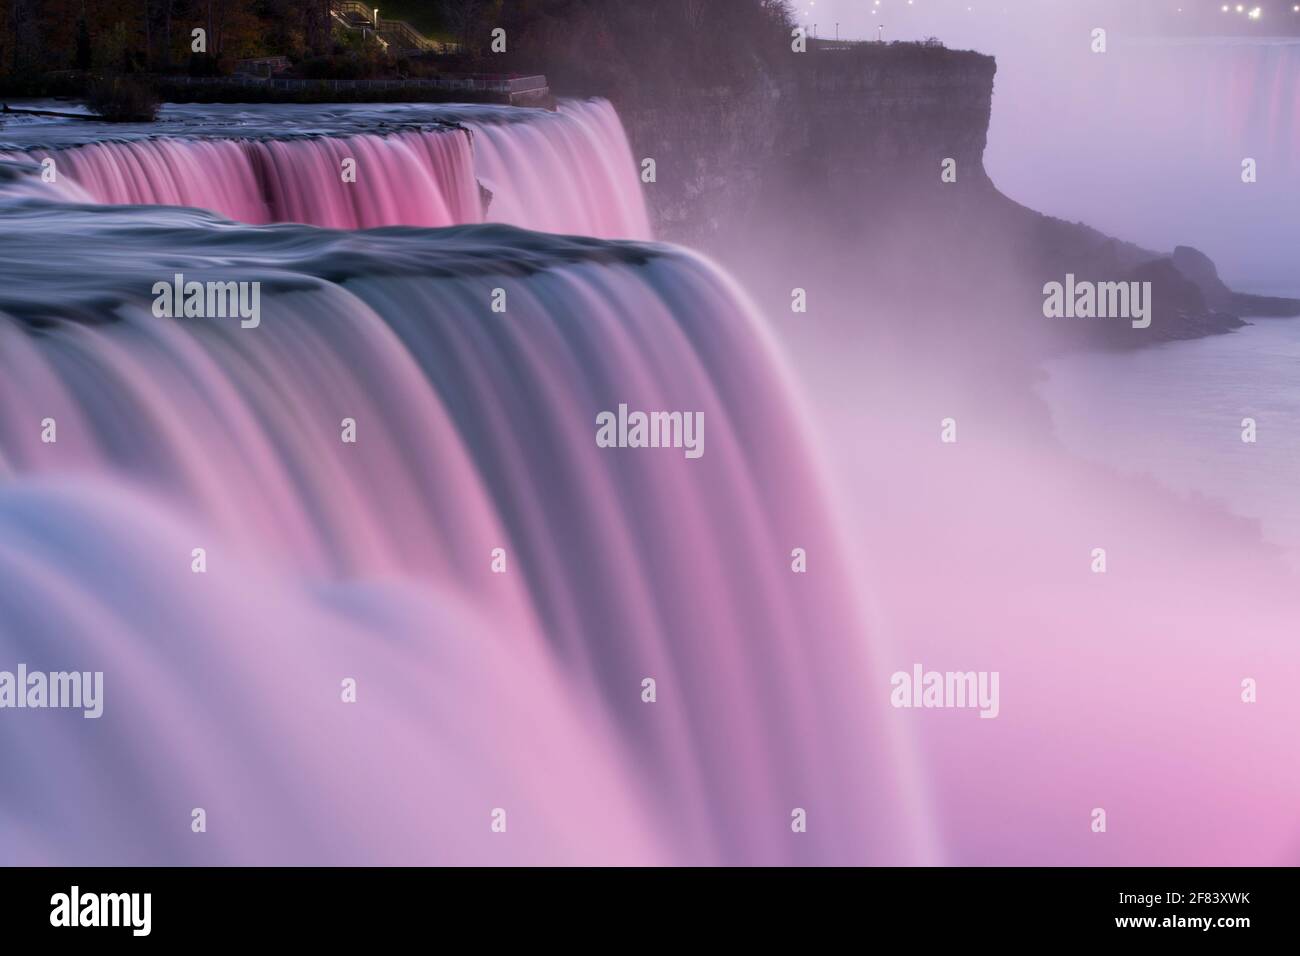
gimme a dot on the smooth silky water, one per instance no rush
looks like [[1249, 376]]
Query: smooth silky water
[[375, 561]]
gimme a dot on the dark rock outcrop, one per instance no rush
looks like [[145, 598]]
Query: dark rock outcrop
[[1198, 267], [828, 174]]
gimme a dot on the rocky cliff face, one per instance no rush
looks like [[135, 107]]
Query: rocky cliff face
[[838, 129], [714, 150], [829, 172], [1198, 267], [877, 118]]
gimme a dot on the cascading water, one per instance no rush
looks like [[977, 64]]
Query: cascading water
[[373, 561], [179, 510], [1210, 95], [570, 171], [526, 164], [294, 180]]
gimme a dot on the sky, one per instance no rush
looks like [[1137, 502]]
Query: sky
[[1146, 141], [987, 22]]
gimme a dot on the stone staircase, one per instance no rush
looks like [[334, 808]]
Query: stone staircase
[[398, 36]]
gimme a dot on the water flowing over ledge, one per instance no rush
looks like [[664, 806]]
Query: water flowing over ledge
[[373, 561], [415, 165]]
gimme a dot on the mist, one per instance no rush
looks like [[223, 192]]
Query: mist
[[1146, 141]]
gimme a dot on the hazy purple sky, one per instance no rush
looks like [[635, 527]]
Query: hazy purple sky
[[987, 23], [1147, 140]]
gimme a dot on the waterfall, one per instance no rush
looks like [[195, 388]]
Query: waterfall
[[373, 560], [525, 164], [570, 171], [1213, 97], [293, 180]]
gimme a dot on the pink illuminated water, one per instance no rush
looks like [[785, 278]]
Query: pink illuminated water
[[569, 171], [260, 181], [475, 429], [529, 167], [326, 560]]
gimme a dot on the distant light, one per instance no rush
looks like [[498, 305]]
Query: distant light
[[1256, 13]]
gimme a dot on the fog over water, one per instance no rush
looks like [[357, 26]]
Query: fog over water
[[1175, 412]]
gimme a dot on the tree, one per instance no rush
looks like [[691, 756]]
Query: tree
[[467, 20], [318, 26], [83, 58]]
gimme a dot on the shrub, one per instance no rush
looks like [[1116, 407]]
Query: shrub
[[120, 99]]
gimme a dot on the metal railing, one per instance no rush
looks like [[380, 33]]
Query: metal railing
[[395, 33], [403, 36], [353, 6]]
